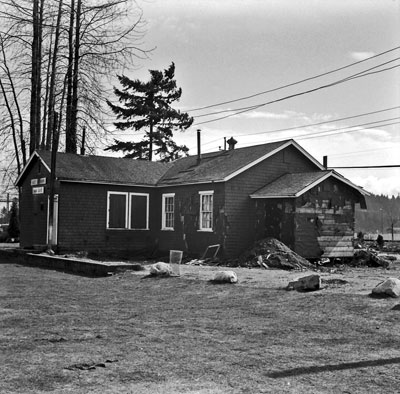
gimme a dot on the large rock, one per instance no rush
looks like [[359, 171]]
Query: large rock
[[161, 269], [225, 277], [388, 288], [306, 283]]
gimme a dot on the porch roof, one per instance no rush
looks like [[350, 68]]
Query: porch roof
[[294, 185]]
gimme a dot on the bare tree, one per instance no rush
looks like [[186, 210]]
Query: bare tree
[[60, 55]]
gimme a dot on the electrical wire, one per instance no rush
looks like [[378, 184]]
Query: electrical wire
[[355, 76], [294, 83], [309, 125]]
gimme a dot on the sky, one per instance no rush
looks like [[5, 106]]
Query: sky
[[226, 50]]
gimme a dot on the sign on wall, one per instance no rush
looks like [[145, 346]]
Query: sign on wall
[[38, 190]]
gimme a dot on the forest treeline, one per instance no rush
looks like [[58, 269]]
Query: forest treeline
[[381, 216]]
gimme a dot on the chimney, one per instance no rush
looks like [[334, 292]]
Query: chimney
[[198, 147], [325, 162], [231, 142]]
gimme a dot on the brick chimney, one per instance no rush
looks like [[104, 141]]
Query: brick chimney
[[231, 143]]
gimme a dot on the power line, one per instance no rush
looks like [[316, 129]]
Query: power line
[[322, 123], [294, 83], [358, 167], [342, 130], [313, 124], [247, 109]]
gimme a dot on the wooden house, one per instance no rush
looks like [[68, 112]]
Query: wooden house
[[230, 197]]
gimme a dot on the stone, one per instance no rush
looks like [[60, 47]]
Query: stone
[[225, 277], [388, 288], [161, 269], [306, 283]]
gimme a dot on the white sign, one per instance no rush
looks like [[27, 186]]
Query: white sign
[[38, 190]]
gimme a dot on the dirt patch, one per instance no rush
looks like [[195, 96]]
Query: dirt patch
[[186, 335]]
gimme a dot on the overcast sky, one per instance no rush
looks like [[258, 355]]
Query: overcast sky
[[229, 49]]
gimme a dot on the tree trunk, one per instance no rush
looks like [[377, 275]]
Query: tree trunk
[[14, 133], [68, 116], [71, 143], [51, 109], [34, 76]]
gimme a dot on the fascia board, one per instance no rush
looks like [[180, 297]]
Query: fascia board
[[313, 184], [33, 155], [299, 193], [351, 184], [275, 151], [105, 183]]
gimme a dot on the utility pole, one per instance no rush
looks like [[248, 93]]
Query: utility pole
[[50, 235]]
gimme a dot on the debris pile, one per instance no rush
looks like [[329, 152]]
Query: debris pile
[[369, 258], [271, 253]]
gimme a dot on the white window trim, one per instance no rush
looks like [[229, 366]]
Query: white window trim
[[147, 210], [163, 218], [109, 193], [128, 209], [201, 229]]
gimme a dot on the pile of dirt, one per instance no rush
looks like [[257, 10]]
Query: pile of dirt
[[369, 258], [271, 253]]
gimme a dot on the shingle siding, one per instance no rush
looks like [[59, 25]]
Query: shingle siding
[[83, 220], [240, 209], [33, 209], [186, 235]]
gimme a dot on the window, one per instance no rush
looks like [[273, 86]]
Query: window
[[117, 210], [206, 210], [168, 206], [139, 211], [128, 211]]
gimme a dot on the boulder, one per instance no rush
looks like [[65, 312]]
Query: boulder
[[161, 269], [306, 283], [388, 288], [225, 277]]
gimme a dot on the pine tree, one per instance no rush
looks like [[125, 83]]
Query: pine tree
[[147, 107]]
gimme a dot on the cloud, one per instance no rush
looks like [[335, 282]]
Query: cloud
[[361, 55]]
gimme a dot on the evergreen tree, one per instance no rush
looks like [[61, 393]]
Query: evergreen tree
[[146, 106]]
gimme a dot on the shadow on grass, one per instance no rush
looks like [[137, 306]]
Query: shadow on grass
[[335, 367]]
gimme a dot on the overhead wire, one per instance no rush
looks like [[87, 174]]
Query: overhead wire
[[295, 83], [310, 124], [347, 129], [251, 108]]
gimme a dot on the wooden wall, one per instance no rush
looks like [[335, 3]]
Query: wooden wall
[[33, 207], [243, 221]]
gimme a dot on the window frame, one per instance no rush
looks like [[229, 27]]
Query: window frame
[[128, 210], [203, 194], [109, 193], [164, 226]]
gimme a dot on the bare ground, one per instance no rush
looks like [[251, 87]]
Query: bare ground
[[129, 334]]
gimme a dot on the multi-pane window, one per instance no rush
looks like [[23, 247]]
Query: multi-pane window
[[168, 214], [128, 211], [206, 210]]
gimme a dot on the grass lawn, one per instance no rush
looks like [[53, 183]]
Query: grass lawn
[[62, 333]]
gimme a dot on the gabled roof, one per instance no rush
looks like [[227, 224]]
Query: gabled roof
[[218, 166], [224, 165], [101, 169], [294, 185]]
